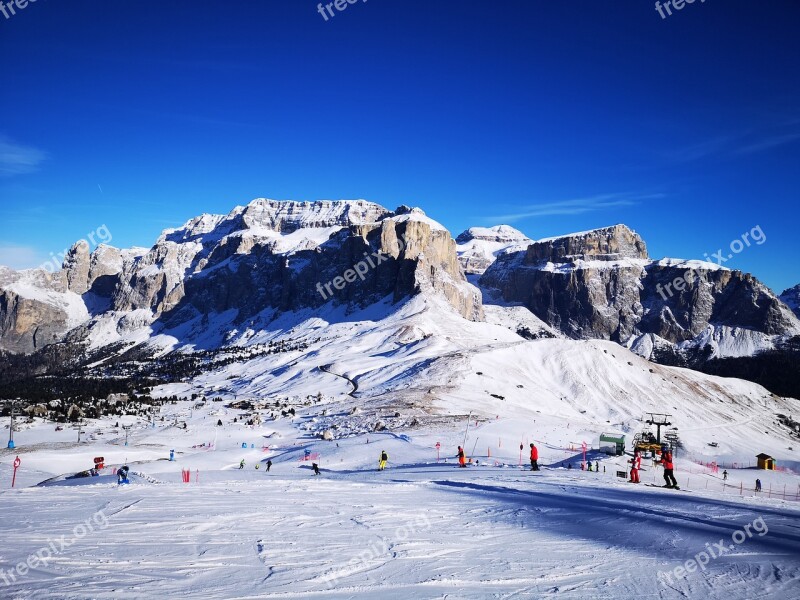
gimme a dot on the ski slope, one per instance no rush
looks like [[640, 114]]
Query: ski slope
[[421, 529], [403, 378]]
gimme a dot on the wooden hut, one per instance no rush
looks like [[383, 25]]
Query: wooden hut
[[765, 461]]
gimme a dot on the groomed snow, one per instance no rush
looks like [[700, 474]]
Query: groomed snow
[[420, 529]]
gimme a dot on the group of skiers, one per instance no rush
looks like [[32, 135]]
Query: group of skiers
[[666, 462], [258, 465], [635, 465]]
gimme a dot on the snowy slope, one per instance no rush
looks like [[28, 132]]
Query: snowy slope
[[421, 529], [478, 247], [420, 358]]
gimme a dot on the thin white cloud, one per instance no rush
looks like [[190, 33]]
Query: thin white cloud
[[21, 257], [744, 142], [575, 206], [16, 159], [768, 143]]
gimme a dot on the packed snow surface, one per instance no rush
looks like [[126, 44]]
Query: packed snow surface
[[404, 379], [420, 529]]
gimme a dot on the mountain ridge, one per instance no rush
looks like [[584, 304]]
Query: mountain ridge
[[270, 257]]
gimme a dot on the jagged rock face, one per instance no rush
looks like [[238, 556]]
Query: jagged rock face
[[83, 271], [157, 280], [26, 325], [584, 303], [611, 290], [357, 266], [35, 310], [268, 254], [718, 297], [75, 269], [610, 243], [791, 298]]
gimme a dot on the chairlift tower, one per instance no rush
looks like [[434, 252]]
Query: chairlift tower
[[659, 420], [11, 427]]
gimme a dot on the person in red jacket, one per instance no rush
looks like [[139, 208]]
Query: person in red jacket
[[669, 476], [534, 458], [636, 464], [462, 461]]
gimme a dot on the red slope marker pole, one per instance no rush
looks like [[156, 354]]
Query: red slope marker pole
[[16, 466]]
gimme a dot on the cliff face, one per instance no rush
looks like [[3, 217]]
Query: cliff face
[[358, 265], [36, 309], [608, 244], [602, 284], [267, 255], [791, 298]]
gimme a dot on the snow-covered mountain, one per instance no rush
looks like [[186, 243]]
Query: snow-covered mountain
[[258, 261], [602, 284], [272, 268], [791, 298], [478, 247]]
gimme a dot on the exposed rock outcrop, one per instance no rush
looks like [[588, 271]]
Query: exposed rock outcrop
[[274, 255], [601, 284], [35, 310], [791, 298]]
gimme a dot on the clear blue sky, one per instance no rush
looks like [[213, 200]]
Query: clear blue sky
[[551, 116]]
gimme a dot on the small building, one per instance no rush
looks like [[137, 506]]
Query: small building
[[765, 461], [612, 443]]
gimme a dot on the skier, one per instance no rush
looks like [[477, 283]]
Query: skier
[[636, 464], [315, 466], [589, 466], [462, 461], [269, 465], [383, 460], [725, 475], [569, 466], [669, 476], [241, 464], [758, 485], [534, 458], [122, 475], [597, 466]]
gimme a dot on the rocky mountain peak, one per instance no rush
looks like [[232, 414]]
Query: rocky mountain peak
[[605, 244], [277, 216], [498, 233], [478, 247], [791, 298]]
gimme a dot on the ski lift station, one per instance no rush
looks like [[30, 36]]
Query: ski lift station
[[612, 443]]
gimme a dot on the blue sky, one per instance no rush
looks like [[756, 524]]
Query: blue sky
[[550, 116]]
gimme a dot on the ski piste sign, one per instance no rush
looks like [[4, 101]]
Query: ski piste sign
[[583, 447], [438, 446]]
